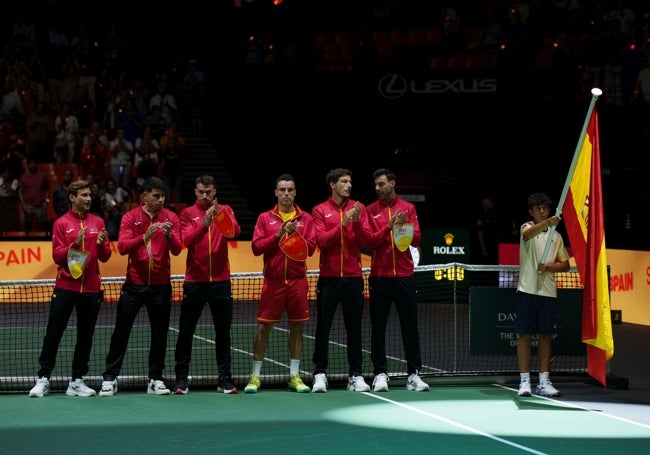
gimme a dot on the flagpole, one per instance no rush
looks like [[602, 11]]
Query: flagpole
[[595, 93]]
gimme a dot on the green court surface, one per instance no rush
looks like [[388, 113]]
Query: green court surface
[[486, 419], [23, 362]]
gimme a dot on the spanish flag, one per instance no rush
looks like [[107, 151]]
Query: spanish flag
[[584, 220]]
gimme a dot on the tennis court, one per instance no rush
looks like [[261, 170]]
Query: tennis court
[[453, 333], [472, 405], [463, 419]]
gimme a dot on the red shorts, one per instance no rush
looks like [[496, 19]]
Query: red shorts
[[276, 296]]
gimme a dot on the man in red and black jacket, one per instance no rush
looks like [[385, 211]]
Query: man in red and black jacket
[[394, 227], [338, 222], [285, 286], [207, 280], [148, 234], [79, 242]]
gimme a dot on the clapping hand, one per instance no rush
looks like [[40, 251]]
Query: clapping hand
[[80, 236], [399, 217], [289, 227], [352, 214], [103, 235]]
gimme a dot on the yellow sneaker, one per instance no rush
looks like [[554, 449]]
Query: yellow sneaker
[[253, 385], [296, 384]]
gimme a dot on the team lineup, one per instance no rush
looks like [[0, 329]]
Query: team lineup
[[285, 236]]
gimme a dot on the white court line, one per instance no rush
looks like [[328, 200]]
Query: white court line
[[582, 408], [455, 424], [269, 360], [241, 351]]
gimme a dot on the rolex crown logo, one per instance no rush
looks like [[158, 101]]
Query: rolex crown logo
[[449, 238]]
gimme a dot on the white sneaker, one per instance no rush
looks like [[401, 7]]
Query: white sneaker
[[78, 388], [414, 382], [357, 384], [524, 389], [320, 383], [109, 388], [157, 387], [380, 383], [41, 388], [546, 389]]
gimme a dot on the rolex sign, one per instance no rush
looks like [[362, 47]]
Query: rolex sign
[[444, 245]]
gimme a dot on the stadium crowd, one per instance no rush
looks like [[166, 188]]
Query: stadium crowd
[[70, 88], [75, 100]]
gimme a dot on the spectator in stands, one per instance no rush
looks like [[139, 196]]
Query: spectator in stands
[[166, 101], [66, 128], [96, 198], [207, 280], [57, 47], [8, 201], [86, 59], [193, 86], [14, 154], [40, 126], [115, 200], [536, 297], [148, 234], [100, 134], [113, 102], [140, 96], [285, 286], [94, 159], [34, 195], [23, 32], [60, 197], [337, 221], [157, 123], [147, 157], [105, 88], [79, 242], [122, 152], [394, 226], [131, 121], [172, 149], [12, 103]]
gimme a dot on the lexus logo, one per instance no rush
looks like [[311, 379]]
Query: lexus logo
[[395, 86]]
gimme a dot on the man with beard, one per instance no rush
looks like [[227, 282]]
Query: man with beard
[[206, 228]]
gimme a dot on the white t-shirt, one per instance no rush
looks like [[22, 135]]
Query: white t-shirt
[[530, 254]]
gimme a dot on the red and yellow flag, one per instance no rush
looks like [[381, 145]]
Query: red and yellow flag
[[584, 220]]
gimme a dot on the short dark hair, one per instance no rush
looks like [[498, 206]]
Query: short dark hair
[[334, 175], [153, 183], [205, 180], [76, 186], [390, 175], [537, 199], [284, 177]]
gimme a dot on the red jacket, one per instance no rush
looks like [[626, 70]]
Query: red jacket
[[207, 248], [339, 246], [387, 259], [277, 266], [135, 223], [64, 236]]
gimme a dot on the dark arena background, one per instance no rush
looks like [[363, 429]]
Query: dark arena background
[[462, 99], [366, 84]]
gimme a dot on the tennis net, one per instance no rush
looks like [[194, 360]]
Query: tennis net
[[466, 330]]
